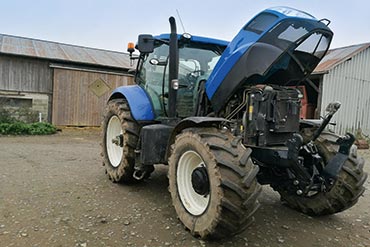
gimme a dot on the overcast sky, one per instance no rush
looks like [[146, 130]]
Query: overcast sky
[[110, 24]]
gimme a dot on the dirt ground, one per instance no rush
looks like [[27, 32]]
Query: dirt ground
[[53, 192]]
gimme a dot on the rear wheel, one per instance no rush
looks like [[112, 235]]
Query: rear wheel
[[212, 182], [344, 193], [120, 136]]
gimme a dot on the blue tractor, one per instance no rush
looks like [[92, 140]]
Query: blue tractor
[[225, 117]]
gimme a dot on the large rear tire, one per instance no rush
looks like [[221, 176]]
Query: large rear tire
[[344, 193], [120, 136], [212, 182]]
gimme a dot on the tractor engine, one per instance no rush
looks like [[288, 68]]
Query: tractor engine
[[272, 115]]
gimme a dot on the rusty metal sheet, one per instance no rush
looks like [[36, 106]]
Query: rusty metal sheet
[[62, 52]]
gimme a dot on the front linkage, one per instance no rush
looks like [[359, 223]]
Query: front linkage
[[305, 166]]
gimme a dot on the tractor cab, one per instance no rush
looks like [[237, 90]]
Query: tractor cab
[[197, 59]]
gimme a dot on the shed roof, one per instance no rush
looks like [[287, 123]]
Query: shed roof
[[336, 56], [15, 45]]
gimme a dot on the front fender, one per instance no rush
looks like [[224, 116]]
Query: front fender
[[310, 123], [138, 100], [198, 122], [193, 122]]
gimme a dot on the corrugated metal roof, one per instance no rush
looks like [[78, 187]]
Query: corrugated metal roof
[[336, 56], [62, 52]]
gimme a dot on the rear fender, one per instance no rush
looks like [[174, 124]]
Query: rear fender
[[138, 100]]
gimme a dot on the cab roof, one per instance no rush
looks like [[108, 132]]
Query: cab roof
[[198, 39]]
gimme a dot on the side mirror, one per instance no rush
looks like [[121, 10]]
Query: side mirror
[[146, 43]]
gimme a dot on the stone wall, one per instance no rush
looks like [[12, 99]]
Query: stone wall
[[26, 106]]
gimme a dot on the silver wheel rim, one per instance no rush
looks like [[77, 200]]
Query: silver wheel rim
[[193, 202], [115, 151]]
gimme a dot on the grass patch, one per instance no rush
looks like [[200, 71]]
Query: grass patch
[[9, 125], [21, 128]]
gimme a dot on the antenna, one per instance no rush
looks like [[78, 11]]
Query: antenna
[[182, 25]]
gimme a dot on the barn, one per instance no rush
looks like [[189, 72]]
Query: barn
[[65, 84], [69, 85], [344, 75]]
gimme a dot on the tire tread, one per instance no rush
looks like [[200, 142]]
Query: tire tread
[[346, 191], [238, 202]]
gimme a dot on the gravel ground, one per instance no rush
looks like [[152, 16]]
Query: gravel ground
[[53, 192]]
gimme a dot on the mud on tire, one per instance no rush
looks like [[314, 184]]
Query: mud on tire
[[346, 191], [233, 188], [119, 162]]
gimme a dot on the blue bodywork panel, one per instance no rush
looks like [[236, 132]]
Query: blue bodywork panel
[[197, 39], [138, 100], [244, 40]]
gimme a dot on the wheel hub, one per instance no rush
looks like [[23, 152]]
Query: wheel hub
[[118, 140], [193, 183], [200, 181], [114, 141]]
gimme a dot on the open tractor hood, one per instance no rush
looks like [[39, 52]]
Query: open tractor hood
[[275, 47]]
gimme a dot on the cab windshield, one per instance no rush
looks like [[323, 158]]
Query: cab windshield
[[196, 62]]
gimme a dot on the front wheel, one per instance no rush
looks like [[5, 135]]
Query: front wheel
[[344, 193], [120, 137], [213, 183]]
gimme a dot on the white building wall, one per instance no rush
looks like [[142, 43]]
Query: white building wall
[[349, 83]]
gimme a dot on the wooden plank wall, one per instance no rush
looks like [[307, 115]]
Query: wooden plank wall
[[25, 74], [74, 104]]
